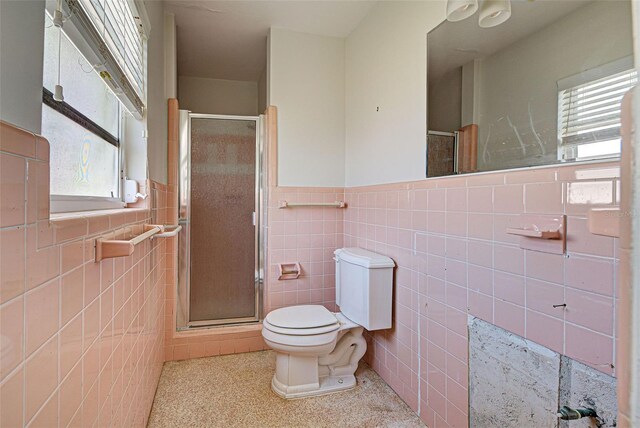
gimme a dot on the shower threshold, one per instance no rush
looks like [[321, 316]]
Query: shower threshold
[[231, 322]]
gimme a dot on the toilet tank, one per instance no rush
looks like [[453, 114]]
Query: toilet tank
[[364, 287]]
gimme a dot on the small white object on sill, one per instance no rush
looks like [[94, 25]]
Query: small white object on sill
[[131, 194]]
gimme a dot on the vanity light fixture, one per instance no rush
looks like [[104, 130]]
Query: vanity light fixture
[[457, 10], [494, 12]]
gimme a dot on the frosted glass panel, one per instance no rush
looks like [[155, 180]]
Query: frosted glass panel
[[440, 155], [223, 247], [82, 164]]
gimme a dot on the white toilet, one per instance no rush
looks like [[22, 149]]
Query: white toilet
[[317, 351]]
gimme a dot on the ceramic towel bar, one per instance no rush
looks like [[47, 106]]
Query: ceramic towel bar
[[170, 231], [109, 248], [336, 204]]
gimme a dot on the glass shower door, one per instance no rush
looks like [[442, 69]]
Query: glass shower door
[[223, 207], [441, 153]]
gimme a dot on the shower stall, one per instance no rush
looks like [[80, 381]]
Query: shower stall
[[220, 252], [442, 153]]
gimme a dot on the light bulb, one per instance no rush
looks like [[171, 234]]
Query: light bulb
[[494, 12], [457, 10]]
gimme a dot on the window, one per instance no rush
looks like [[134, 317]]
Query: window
[[99, 59], [589, 113], [83, 130]]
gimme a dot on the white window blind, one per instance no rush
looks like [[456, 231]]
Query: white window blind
[[589, 114], [112, 35], [117, 24]]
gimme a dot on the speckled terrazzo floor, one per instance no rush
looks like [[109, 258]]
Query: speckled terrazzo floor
[[235, 391]]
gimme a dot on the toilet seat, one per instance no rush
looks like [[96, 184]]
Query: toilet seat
[[309, 327], [301, 320]]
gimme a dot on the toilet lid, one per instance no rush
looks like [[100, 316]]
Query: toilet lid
[[301, 317]]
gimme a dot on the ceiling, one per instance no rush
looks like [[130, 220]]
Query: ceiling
[[227, 39], [453, 44]]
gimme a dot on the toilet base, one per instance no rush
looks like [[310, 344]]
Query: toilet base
[[328, 385], [323, 367]]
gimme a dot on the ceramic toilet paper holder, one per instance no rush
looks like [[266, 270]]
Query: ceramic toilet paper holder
[[289, 270]]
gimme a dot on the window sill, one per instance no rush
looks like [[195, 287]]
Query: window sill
[[58, 217], [73, 204], [91, 224]]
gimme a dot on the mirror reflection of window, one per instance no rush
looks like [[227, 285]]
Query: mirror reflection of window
[[589, 109], [502, 90]]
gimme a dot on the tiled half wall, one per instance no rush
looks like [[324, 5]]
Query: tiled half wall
[[454, 258], [81, 342], [308, 235]]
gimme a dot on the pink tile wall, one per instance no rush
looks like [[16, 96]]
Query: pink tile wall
[[624, 319], [308, 235], [454, 259], [82, 342]]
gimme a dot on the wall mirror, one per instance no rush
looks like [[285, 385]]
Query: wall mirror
[[540, 88]]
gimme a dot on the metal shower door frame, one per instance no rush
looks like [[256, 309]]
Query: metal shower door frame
[[184, 219]]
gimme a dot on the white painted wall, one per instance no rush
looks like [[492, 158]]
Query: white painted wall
[[386, 68], [268, 70], [307, 85], [262, 92], [135, 149], [170, 56], [470, 96], [156, 100], [21, 54], [218, 96], [445, 102]]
